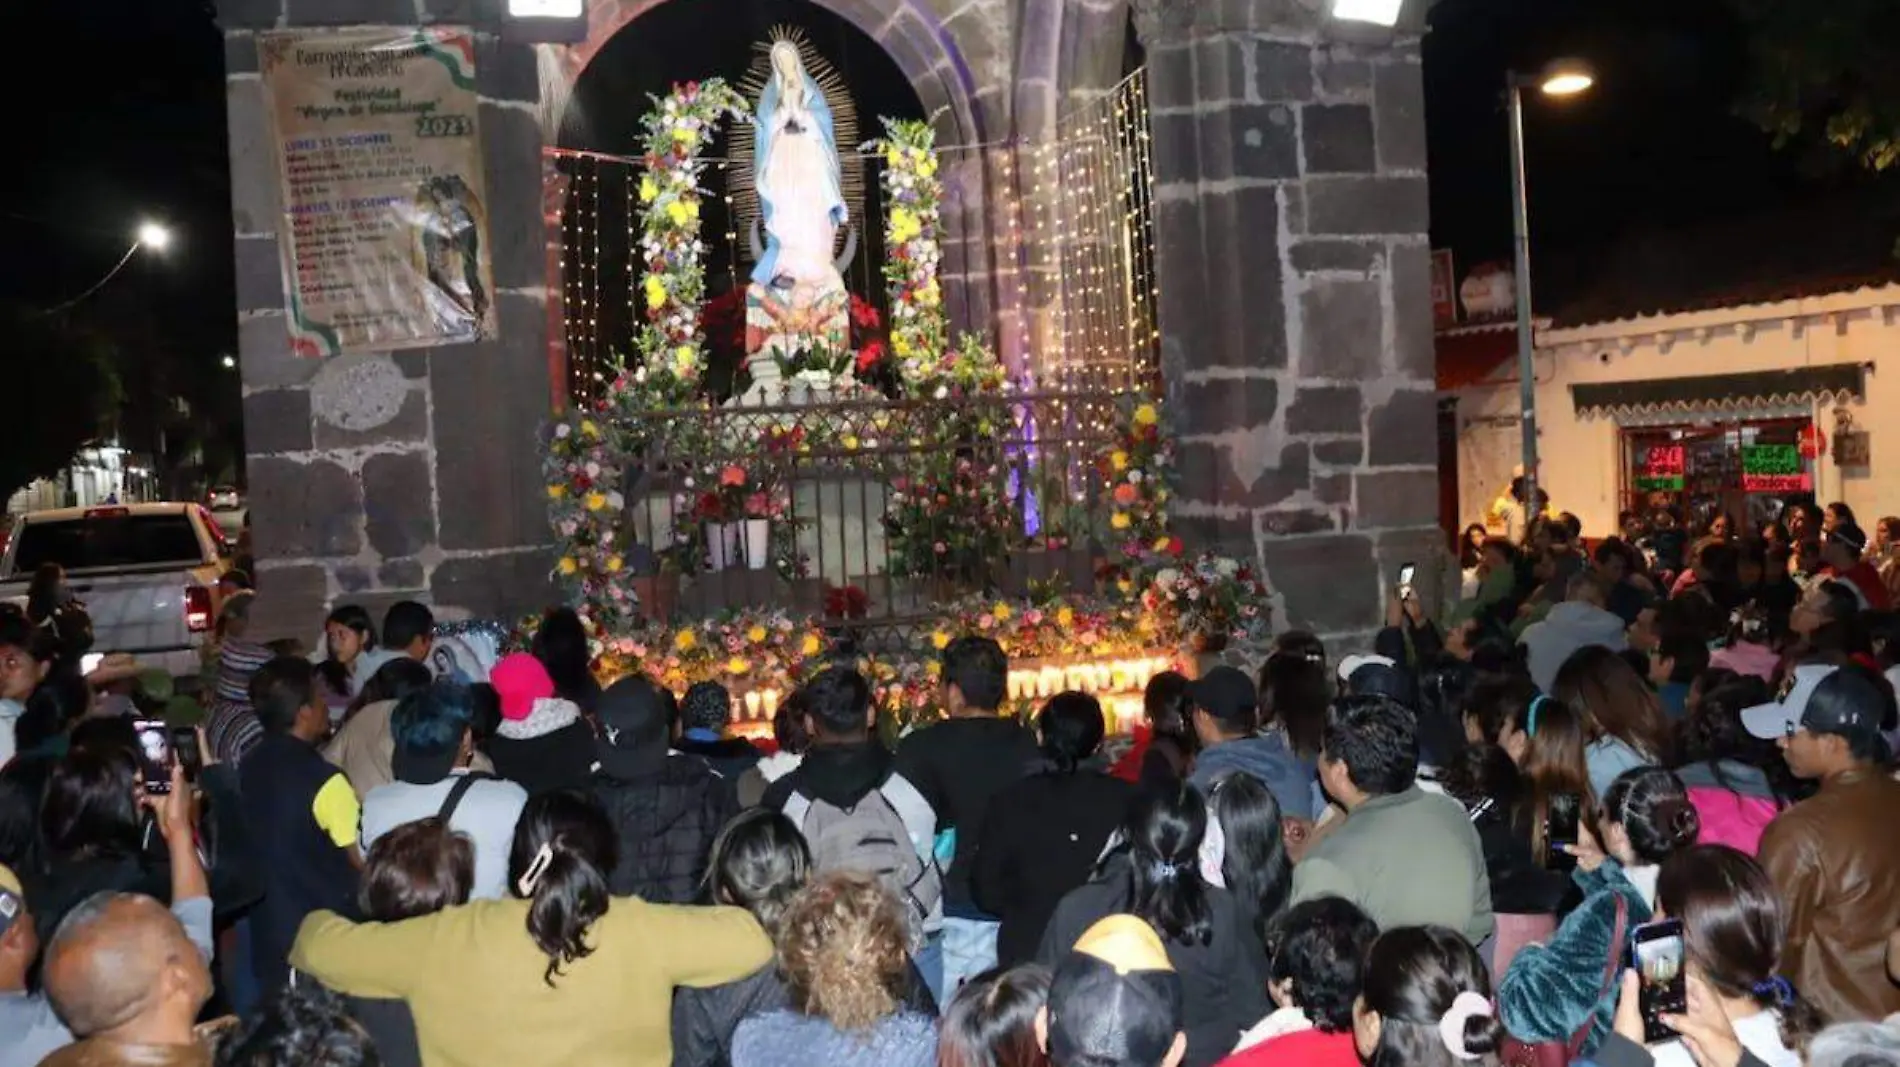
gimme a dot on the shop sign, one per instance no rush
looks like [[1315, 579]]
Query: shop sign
[[1444, 290], [1775, 469], [1662, 484], [1853, 448], [1813, 442], [1660, 468]]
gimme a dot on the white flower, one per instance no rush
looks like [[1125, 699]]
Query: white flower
[[562, 431], [1166, 577], [592, 469]]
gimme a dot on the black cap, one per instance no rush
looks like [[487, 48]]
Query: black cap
[[632, 715], [1376, 675], [1228, 695], [1114, 999]]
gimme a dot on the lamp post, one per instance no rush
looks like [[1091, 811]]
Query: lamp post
[[1564, 77], [150, 235]]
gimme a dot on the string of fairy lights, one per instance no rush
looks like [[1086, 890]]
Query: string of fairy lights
[[1079, 214]]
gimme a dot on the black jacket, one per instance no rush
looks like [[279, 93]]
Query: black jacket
[[729, 756], [559, 759], [1222, 991], [665, 817], [959, 765], [1040, 840], [704, 1020], [839, 775]]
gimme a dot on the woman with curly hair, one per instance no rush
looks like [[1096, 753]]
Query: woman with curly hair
[[843, 946]]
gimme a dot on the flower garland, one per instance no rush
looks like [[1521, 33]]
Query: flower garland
[[919, 333], [672, 343], [582, 465], [1138, 472]]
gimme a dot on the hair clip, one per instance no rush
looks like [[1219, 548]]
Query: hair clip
[[1163, 871], [1777, 987], [530, 879], [1451, 1025]]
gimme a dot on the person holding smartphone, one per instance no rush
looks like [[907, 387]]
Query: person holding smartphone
[[1556, 992]]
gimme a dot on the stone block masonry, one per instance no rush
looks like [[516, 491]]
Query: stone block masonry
[[381, 477], [1292, 256]]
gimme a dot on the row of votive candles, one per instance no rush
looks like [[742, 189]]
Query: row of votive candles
[[1099, 678], [761, 704]]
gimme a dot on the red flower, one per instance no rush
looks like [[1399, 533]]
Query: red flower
[[733, 475], [863, 315], [870, 355], [1174, 546]]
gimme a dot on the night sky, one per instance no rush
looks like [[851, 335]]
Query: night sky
[[123, 119]]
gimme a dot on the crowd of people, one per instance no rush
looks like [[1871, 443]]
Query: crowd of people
[[1436, 854]]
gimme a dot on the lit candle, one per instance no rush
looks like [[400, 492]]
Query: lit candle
[[771, 703], [752, 703], [1050, 683]]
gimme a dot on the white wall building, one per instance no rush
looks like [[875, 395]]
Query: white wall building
[[1700, 410]]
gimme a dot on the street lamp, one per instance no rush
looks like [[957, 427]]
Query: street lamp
[[1561, 78], [229, 362], [149, 235]]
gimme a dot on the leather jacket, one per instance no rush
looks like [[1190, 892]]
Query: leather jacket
[[1835, 860]]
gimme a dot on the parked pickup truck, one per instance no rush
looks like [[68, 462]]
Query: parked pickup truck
[[147, 574]]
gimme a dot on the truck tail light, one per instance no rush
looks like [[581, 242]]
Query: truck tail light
[[197, 609]]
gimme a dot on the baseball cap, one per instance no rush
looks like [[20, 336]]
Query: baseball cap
[[1852, 705], [1364, 675], [1849, 536], [1115, 998], [632, 714], [519, 681], [12, 899], [1227, 694]]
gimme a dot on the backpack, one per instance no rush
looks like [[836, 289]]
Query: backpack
[[870, 836]]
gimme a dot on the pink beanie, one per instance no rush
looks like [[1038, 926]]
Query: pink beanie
[[520, 680]]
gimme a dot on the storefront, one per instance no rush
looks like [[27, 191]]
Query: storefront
[[1735, 410]]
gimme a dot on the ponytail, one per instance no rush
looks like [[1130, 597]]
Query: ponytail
[[1164, 838], [564, 848]]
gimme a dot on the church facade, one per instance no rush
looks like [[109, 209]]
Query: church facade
[[1292, 266]]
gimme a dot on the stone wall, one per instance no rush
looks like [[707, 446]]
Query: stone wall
[[415, 474], [1295, 297]]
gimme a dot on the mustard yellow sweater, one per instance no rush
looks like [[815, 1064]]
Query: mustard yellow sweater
[[473, 979]]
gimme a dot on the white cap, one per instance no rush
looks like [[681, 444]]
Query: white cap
[[1779, 718]]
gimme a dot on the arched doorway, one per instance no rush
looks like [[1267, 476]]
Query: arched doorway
[[897, 63]]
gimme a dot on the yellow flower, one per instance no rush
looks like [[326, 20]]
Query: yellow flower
[[1065, 617], [568, 566], [737, 665], [1125, 586], [904, 224], [692, 208], [589, 429], [900, 344], [1145, 415], [1001, 612], [928, 167], [676, 213], [1118, 460], [556, 492], [1119, 520], [614, 563], [930, 294], [756, 634], [849, 441], [596, 501], [812, 645], [656, 291], [684, 136], [649, 190], [684, 641], [939, 640], [893, 155], [1162, 544]]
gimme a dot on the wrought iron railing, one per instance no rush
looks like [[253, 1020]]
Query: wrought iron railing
[[873, 511]]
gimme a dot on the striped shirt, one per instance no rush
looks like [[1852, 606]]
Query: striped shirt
[[232, 727]]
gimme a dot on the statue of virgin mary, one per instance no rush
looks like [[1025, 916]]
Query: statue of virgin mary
[[801, 200]]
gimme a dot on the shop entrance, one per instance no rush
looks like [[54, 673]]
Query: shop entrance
[[1746, 469]]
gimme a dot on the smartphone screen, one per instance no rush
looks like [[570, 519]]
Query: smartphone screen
[[1406, 572], [155, 754], [1561, 814], [1657, 951]]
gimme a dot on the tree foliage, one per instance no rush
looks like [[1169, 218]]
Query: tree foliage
[[1824, 74], [64, 385]]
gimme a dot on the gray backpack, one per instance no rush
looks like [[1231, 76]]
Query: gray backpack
[[871, 837]]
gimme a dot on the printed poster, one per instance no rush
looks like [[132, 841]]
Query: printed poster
[[384, 236]]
